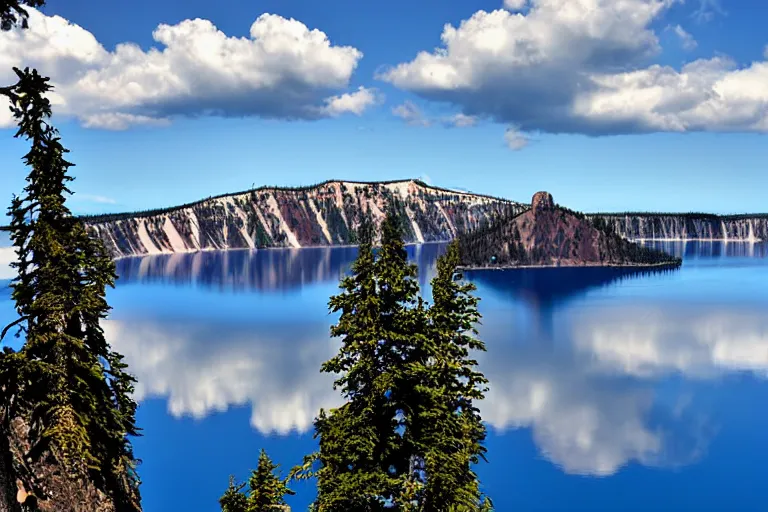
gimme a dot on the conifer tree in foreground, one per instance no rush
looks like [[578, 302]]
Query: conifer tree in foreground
[[12, 12], [451, 432], [266, 490], [65, 383], [356, 439], [409, 432]]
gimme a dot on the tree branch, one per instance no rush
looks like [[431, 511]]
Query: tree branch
[[9, 326]]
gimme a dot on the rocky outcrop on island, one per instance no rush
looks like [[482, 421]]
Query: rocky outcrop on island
[[322, 215], [550, 235]]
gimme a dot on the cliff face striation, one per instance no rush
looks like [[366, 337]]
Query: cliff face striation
[[549, 235], [54, 490], [322, 215], [688, 226]]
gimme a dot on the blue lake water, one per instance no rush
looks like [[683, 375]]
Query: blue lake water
[[609, 390]]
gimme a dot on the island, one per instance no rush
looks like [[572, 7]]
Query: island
[[549, 235]]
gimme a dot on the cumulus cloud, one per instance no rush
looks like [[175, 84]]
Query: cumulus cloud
[[282, 70], [514, 139], [515, 5], [461, 120], [411, 114], [582, 66], [686, 39]]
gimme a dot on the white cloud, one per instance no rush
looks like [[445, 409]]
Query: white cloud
[[354, 103], [282, 70], [273, 370], [411, 114], [581, 66], [514, 139], [686, 39], [461, 120], [707, 11], [93, 198], [515, 5]]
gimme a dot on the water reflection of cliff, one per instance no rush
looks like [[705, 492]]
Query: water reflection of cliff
[[272, 269], [545, 287], [544, 290], [693, 249]]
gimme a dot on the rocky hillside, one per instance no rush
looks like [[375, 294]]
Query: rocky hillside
[[549, 235], [321, 215], [688, 226]]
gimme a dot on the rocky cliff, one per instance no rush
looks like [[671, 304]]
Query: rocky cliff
[[689, 226], [550, 235], [321, 215], [53, 490]]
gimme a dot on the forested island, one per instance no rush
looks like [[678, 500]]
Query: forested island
[[549, 235]]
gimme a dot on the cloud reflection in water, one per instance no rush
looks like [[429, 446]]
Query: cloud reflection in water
[[587, 386]]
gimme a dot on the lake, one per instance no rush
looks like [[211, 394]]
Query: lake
[[609, 390]]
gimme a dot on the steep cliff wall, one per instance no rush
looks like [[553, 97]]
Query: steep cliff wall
[[323, 215], [645, 226]]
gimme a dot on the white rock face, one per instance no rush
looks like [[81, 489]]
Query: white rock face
[[322, 215]]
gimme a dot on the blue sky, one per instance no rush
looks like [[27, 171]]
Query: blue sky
[[632, 105]]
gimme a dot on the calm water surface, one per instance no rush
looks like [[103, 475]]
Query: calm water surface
[[609, 391]]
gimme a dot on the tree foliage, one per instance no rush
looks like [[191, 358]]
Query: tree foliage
[[409, 431], [66, 382], [266, 490], [13, 13]]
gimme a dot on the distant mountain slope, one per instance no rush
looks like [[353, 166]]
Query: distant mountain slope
[[320, 215], [549, 235]]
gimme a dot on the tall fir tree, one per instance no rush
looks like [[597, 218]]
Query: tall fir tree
[[452, 429], [13, 13], [409, 433], [356, 439], [266, 490], [66, 383]]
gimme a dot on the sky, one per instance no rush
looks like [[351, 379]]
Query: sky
[[610, 105]]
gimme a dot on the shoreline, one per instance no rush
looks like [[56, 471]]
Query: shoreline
[[666, 265], [254, 249]]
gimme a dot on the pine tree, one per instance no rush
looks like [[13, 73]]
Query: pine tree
[[355, 438], [403, 322], [233, 499], [12, 12], [452, 431], [66, 382], [266, 490]]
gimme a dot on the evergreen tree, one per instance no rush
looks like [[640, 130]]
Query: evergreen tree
[[12, 12], [452, 432], [409, 432], [266, 490], [66, 382], [356, 440], [233, 499]]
